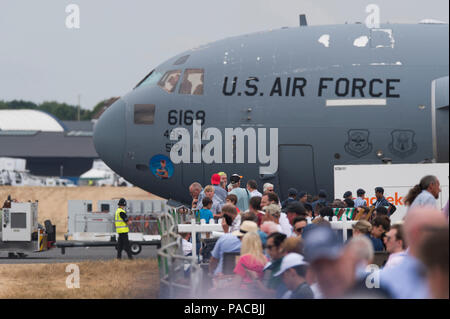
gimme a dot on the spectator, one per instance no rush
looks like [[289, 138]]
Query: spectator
[[319, 221], [227, 243], [267, 187], [292, 197], [186, 245], [209, 191], [408, 279], [294, 209], [195, 189], [251, 216], [232, 199], [337, 203], [269, 198], [293, 272], [231, 220], [381, 211], [363, 227], [327, 212], [218, 190], [317, 208], [274, 249], [335, 266], [299, 223], [309, 210], [362, 250], [252, 187], [254, 206], [395, 245], [380, 225], [303, 197], [348, 199], [359, 201], [269, 227], [272, 214], [242, 194], [205, 213], [292, 245], [381, 201], [223, 180], [322, 199], [251, 259], [433, 252], [425, 193]]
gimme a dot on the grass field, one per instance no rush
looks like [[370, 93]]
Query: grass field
[[125, 279]]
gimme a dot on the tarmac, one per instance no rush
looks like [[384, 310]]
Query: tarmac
[[75, 254]]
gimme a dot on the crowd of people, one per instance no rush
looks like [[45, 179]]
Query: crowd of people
[[288, 249]]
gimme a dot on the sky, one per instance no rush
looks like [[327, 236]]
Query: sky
[[119, 41]]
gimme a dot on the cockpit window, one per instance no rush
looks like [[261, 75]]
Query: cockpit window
[[151, 78], [169, 80], [192, 82], [144, 113]]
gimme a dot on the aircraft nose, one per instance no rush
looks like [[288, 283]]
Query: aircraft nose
[[109, 136]]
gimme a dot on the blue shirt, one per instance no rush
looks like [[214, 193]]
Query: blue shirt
[[406, 280], [243, 198], [376, 242], [425, 198], [360, 202], [226, 243], [205, 214]]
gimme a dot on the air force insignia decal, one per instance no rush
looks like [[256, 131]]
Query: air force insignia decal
[[358, 143], [402, 143]]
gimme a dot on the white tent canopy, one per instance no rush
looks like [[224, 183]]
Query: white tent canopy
[[28, 120]]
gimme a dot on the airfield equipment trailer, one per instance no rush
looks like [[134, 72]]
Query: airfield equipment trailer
[[88, 228], [20, 232]]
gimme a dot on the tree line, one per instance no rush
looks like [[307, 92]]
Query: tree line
[[62, 111]]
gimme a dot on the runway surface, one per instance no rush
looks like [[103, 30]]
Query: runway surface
[[74, 255]]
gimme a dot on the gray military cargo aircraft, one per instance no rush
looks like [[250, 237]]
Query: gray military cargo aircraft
[[304, 98]]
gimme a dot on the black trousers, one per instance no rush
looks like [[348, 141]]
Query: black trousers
[[123, 244]]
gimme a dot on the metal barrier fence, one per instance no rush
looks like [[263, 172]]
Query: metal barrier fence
[[180, 276]]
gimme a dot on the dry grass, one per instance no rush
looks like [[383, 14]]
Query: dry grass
[[98, 279], [53, 200]]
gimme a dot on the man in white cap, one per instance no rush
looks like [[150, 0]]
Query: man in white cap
[[293, 271]]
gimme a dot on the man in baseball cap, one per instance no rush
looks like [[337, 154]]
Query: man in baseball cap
[[218, 190], [293, 271]]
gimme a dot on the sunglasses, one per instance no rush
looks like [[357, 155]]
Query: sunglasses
[[270, 246], [299, 230]]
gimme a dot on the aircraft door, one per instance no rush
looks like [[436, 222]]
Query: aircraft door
[[440, 110], [296, 169]]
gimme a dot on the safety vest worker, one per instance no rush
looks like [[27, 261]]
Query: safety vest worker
[[120, 220], [121, 225]]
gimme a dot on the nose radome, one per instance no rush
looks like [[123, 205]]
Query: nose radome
[[109, 136]]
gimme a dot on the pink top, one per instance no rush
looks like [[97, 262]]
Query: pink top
[[248, 262]]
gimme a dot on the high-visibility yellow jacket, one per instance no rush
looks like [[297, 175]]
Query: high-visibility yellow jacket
[[121, 225]]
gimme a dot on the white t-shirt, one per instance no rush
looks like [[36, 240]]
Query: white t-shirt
[[255, 193], [187, 247], [286, 227]]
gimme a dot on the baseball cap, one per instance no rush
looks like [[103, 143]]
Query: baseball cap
[[289, 261], [247, 226], [347, 194], [360, 191], [292, 192], [215, 179], [235, 178], [321, 242], [295, 207]]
